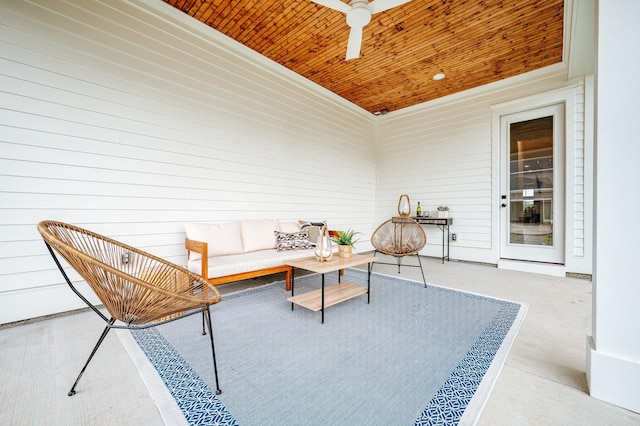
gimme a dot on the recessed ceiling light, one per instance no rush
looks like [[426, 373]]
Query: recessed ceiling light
[[438, 76]]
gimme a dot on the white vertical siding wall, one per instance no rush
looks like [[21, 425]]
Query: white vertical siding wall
[[130, 118], [441, 153]]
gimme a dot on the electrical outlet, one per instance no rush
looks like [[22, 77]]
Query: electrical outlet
[[454, 237], [125, 257]]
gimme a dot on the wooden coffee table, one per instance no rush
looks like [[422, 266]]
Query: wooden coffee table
[[318, 300]]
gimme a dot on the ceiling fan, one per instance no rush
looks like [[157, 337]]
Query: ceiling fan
[[358, 15]]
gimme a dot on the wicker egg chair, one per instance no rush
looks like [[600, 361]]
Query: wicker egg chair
[[399, 237], [137, 289]]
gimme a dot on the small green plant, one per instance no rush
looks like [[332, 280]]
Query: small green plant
[[443, 208], [345, 238]]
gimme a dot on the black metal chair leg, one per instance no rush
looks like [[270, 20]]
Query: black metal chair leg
[[375, 252], [399, 260], [203, 332], [207, 312], [422, 270], [95, 349]]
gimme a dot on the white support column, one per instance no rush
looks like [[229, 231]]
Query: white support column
[[613, 351]]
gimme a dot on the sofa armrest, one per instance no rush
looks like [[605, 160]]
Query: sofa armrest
[[203, 249]]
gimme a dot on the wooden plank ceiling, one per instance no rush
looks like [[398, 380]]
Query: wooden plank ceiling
[[473, 42]]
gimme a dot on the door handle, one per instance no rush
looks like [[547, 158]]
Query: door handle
[[504, 204]]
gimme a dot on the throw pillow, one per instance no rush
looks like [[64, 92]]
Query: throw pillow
[[313, 228], [292, 240]]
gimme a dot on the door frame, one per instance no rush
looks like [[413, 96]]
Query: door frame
[[554, 254], [566, 95]]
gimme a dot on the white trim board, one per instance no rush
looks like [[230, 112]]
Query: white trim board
[[533, 267]]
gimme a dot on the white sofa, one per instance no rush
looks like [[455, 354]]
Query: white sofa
[[224, 252]]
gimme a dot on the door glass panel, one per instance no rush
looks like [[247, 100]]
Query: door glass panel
[[531, 182]]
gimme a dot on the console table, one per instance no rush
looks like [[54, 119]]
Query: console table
[[442, 223]]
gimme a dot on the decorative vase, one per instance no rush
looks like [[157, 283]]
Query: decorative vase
[[345, 251], [443, 213], [404, 206]]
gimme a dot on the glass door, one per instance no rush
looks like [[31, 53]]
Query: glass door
[[532, 208]]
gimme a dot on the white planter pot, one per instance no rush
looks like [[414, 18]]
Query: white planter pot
[[443, 214]]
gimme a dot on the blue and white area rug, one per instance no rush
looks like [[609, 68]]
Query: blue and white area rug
[[413, 356]]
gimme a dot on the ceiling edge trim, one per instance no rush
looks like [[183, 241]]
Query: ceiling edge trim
[[581, 55], [558, 70]]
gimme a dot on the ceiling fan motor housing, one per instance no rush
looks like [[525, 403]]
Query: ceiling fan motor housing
[[359, 15]]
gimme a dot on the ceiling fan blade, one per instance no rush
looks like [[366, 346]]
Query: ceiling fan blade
[[334, 4], [381, 5], [355, 41]]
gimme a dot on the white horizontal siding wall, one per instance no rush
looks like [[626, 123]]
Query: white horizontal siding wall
[[441, 157], [440, 153], [131, 118], [579, 178]]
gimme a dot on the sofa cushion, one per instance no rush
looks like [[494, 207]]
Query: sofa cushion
[[222, 238], [289, 226], [292, 240], [258, 234]]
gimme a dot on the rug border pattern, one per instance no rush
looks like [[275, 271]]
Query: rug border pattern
[[193, 396]]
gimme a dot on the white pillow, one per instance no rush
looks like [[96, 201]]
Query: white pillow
[[313, 228], [258, 234], [289, 226], [222, 238]]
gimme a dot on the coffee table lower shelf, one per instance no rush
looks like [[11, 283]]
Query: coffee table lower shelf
[[333, 295]]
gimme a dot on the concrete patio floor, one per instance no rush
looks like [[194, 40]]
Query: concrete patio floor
[[543, 381]]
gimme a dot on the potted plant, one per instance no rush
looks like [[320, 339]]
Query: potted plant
[[345, 241], [443, 211]]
